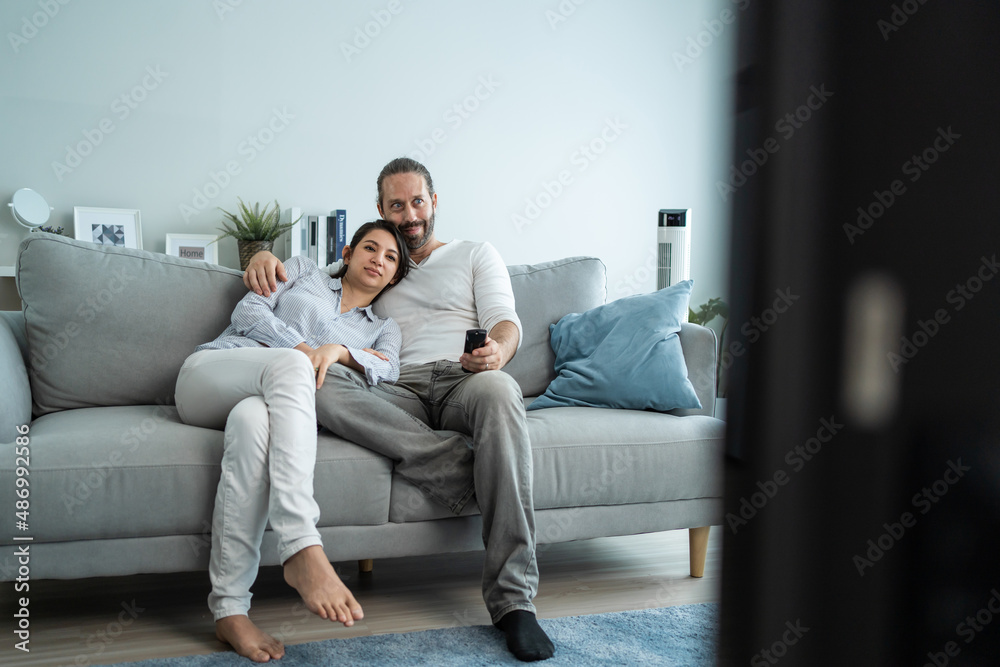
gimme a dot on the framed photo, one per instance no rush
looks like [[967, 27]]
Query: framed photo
[[108, 226], [194, 246]]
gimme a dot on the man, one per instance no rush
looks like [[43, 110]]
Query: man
[[444, 395]]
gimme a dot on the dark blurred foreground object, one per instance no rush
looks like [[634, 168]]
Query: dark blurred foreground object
[[863, 468]]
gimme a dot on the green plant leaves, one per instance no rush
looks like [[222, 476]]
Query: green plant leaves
[[709, 311], [254, 224]]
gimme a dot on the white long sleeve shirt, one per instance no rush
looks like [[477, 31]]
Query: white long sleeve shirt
[[461, 285]]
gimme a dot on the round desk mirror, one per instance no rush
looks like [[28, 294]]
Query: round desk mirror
[[29, 208]]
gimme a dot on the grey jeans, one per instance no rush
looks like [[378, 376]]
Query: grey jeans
[[423, 423]]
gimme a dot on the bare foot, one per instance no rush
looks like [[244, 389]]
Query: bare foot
[[247, 639], [310, 573]]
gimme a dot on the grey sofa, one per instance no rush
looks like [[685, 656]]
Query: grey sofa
[[118, 485]]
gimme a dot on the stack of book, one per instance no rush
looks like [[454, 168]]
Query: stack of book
[[321, 238]]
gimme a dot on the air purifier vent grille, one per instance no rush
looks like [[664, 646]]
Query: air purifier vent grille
[[663, 265]]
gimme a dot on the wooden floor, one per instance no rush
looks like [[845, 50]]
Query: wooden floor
[[108, 620]]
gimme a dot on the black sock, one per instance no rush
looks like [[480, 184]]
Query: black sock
[[525, 638]]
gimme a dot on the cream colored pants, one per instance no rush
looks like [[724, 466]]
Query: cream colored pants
[[265, 401]]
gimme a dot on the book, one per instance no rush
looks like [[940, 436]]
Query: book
[[321, 241], [331, 240], [341, 216], [313, 250], [294, 237]]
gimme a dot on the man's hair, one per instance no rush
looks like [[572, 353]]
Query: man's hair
[[402, 265], [404, 165]]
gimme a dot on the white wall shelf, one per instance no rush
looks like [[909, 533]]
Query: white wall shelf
[[6, 271]]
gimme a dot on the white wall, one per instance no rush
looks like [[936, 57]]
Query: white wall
[[223, 74]]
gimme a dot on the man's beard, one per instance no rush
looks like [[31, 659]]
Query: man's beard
[[415, 243]]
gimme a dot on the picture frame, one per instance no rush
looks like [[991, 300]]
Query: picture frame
[[108, 226], [186, 246]]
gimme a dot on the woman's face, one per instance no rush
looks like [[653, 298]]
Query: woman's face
[[373, 262]]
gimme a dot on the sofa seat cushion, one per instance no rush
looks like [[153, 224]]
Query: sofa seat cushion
[[601, 456], [596, 456], [138, 471]]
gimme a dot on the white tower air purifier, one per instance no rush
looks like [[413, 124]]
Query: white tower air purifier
[[673, 247]]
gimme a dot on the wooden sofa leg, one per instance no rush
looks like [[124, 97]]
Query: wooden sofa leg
[[365, 565], [698, 541]]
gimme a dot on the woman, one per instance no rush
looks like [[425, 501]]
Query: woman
[[258, 381]]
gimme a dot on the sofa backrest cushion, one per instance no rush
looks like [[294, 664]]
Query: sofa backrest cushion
[[15, 408], [543, 294], [111, 326]]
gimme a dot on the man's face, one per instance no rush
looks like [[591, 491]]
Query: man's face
[[407, 204]]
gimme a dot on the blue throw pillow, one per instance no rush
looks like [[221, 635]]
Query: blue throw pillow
[[624, 354]]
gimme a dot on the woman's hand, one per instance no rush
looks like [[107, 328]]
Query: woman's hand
[[327, 355], [323, 357]]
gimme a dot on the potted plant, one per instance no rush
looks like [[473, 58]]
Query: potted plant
[[254, 229]]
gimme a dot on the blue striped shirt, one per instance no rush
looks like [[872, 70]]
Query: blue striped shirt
[[306, 309]]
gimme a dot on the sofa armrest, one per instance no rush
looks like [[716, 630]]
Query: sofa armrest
[[15, 409], [700, 350]]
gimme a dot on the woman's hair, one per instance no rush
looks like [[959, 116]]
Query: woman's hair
[[403, 254]]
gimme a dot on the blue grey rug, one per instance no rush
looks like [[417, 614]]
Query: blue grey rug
[[682, 635]]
